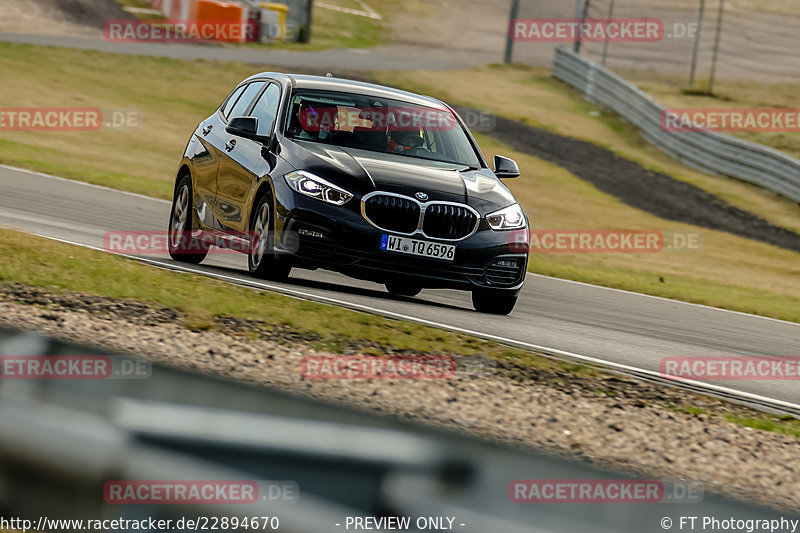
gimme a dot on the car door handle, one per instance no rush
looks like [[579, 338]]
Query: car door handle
[[231, 145], [208, 129]]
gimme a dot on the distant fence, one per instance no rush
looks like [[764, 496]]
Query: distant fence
[[705, 150], [734, 39]]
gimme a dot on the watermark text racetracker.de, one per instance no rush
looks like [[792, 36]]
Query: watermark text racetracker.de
[[158, 243], [615, 30], [613, 241], [593, 30], [82, 367], [687, 120], [425, 367], [388, 367], [68, 119], [604, 491], [731, 368], [413, 119], [180, 31], [183, 492]]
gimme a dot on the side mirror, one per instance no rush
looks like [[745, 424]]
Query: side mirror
[[505, 167], [246, 127]]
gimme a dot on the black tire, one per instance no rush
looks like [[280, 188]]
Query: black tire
[[401, 288], [182, 247], [494, 302], [261, 259]]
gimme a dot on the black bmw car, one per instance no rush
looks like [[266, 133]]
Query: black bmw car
[[373, 182]]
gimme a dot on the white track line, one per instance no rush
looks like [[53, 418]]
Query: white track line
[[531, 274], [626, 369], [142, 11], [86, 184], [368, 9], [369, 13]]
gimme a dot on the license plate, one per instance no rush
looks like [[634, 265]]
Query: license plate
[[404, 245]]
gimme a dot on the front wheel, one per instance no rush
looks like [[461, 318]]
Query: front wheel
[[494, 302], [182, 247], [262, 261]]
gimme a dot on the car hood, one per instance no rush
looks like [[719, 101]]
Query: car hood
[[363, 171]]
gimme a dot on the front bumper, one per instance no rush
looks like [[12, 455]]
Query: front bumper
[[317, 235]]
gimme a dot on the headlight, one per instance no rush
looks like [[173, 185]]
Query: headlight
[[316, 187], [510, 217]]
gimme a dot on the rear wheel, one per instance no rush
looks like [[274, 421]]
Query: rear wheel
[[262, 261], [494, 302], [401, 288], [182, 247]]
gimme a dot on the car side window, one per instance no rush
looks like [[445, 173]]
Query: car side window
[[249, 93], [266, 109], [231, 101]]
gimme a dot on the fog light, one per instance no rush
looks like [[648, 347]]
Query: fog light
[[506, 263]]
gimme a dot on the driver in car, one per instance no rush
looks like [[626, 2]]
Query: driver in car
[[402, 140], [314, 122]]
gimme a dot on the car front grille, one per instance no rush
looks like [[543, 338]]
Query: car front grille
[[402, 215], [448, 221], [392, 213]]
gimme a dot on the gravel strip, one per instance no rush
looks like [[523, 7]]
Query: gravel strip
[[612, 422]]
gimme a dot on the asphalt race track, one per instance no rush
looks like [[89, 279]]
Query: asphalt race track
[[610, 325]]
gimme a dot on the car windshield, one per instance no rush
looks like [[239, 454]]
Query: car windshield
[[380, 125]]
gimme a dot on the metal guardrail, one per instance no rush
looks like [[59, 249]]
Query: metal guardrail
[[707, 151]]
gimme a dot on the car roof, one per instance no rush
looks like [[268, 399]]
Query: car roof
[[303, 81]]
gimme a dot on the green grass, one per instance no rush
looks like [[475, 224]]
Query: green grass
[[167, 94], [68, 164], [711, 291], [784, 7], [691, 410], [785, 425], [140, 4], [55, 266], [731, 94], [332, 29]]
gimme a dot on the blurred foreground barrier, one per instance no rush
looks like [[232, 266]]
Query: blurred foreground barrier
[[707, 151], [71, 449]]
